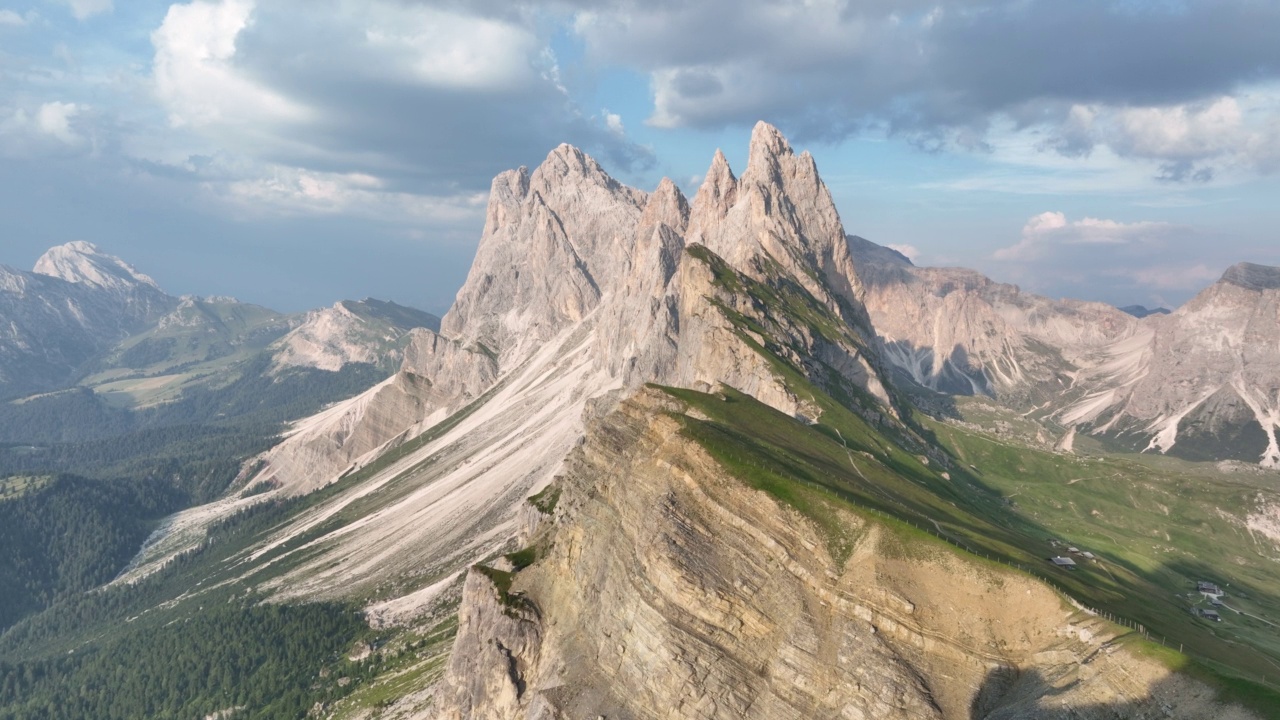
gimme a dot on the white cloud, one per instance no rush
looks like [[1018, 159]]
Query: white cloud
[[613, 121], [12, 19], [195, 75], [1048, 230], [282, 190], [54, 119], [85, 9], [909, 250], [1113, 261], [1188, 141], [449, 49]]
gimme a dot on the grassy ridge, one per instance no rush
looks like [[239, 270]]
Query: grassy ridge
[[1005, 501]]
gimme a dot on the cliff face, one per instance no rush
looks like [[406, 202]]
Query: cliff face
[[667, 588], [1214, 377], [1201, 382], [956, 331], [570, 253]]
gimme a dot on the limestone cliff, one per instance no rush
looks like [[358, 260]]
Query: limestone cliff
[[956, 331], [1200, 382], [669, 589], [569, 251]]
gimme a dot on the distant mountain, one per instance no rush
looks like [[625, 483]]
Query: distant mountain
[[77, 303], [1207, 383], [1140, 311], [956, 331], [1200, 381], [368, 331], [83, 317]]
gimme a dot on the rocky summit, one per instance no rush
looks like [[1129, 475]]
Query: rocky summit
[[660, 460]]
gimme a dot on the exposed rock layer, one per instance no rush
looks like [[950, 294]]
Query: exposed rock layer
[[1202, 381], [670, 590]]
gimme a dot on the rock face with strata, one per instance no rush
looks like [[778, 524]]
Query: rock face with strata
[[671, 590], [1202, 382], [955, 331]]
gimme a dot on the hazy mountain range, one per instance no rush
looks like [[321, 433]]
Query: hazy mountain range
[[84, 317]]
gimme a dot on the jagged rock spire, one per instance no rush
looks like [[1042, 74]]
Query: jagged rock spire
[[779, 209]]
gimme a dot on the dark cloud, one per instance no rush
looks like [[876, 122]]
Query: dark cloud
[[935, 73], [1184, 171]]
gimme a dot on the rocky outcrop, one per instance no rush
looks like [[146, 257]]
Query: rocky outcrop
[[437, 377], [368, 331], [553, 245], [668, 589]]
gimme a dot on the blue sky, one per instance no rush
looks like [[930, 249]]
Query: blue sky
[[294, 153]]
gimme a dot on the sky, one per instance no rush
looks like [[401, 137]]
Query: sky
[[293, 153]]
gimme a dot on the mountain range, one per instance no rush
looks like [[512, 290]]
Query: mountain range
[[82, 317], [1200, 381], [717, 458]]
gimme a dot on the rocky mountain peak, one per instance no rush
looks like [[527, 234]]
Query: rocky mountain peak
[[666, 206], [768, 148], [866, 252], [779, 213], [81, 262], [719, 191], [1253, 277], [556, 240]]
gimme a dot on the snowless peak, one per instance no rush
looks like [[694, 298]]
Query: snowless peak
[[667, 205], [569, 167], [719, 188], [866, 252], [767, 145], [81, 262], [569, 160], [1253, 277]]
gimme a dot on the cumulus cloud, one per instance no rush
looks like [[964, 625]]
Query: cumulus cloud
[[942, 74], [54, 119], [49, 127], [1187, 141], [1048, 230], [613, 121], [195, 73], [430, 99], [1110, 260]]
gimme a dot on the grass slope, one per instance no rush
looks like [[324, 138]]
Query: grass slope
[[1156, 529]]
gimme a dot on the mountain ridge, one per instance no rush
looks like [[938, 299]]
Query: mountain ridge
[[1199, 373]]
